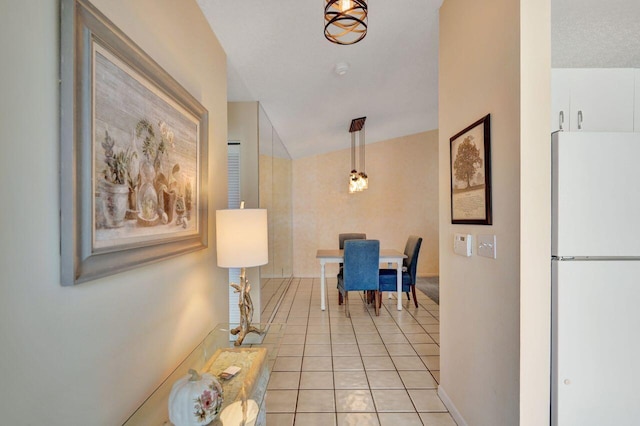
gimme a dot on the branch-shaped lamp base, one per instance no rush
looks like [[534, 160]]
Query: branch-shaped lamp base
[[245, 304]]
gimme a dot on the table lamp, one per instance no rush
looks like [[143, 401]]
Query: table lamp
[[242, 242]]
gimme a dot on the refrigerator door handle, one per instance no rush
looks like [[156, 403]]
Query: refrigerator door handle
[[561, 120], [580, 120]]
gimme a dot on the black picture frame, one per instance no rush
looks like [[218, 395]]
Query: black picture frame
[[470, 172]]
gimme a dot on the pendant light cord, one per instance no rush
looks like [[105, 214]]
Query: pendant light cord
[[353, 151], [362, 149]]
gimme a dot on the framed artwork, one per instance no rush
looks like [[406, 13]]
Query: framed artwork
[[133, 158], [471, 174]]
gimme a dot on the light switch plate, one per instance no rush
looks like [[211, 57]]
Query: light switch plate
[[487, 246], [462, 244]]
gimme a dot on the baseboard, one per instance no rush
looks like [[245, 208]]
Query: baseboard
[[427, 275], [451, 407]]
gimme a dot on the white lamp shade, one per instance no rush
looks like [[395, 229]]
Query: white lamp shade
[[242, 238]]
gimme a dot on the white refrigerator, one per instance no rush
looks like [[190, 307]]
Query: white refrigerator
[[595, 279]]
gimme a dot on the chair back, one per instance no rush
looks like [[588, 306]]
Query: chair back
[[351, 236], [361, 263], [412, 250]]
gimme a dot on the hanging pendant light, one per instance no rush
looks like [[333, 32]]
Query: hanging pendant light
[[357, 181], [345, 21], [353, 176], [363, 179]]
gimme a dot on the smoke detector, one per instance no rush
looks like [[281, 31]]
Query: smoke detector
[[341, 68]]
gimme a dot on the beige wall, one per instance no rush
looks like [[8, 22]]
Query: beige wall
[[276, 197], [479, 297], [90, 354], [243, 127], [402, 200], [485, 68]]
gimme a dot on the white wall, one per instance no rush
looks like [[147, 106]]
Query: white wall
[[92, 353], [494, 58], [535, 208]]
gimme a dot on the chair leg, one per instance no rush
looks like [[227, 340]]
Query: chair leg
[[339, 298], [379, 300], [346, 304], [376, 297], [408, 297], [415, 299]]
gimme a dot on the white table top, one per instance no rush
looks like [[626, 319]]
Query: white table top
[[338, 255]]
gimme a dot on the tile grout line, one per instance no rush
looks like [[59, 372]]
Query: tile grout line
[[299, 295]]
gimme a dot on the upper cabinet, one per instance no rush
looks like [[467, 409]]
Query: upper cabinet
[[560, 99], [594, 99]]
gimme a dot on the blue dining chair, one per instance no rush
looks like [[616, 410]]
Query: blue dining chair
[[388, 277], [361, 270], [341, 239]]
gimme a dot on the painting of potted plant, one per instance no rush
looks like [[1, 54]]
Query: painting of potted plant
[[188, 198], [133, 180], [180, 210], [156, 152], [115, 187], [131, 136]]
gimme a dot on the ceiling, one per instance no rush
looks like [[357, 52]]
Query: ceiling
[[278, 55], [595, 33]]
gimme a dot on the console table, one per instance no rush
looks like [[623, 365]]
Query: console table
[[243, 393]]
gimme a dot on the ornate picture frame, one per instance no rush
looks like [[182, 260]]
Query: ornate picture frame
[[133, 153], [471, 174]]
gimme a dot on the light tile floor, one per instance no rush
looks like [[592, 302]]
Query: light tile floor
[[364, 370]]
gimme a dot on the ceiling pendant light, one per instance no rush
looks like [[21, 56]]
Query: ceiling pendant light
[[353, 175], [363, 179], [357, 181], [345, 21]]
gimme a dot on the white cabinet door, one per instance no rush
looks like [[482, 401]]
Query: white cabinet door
[[636, 121], [602, 99], [560, 98]]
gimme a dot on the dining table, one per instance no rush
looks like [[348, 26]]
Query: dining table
[[388, 256]]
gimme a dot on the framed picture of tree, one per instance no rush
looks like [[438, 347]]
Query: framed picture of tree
[[471, 174]]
